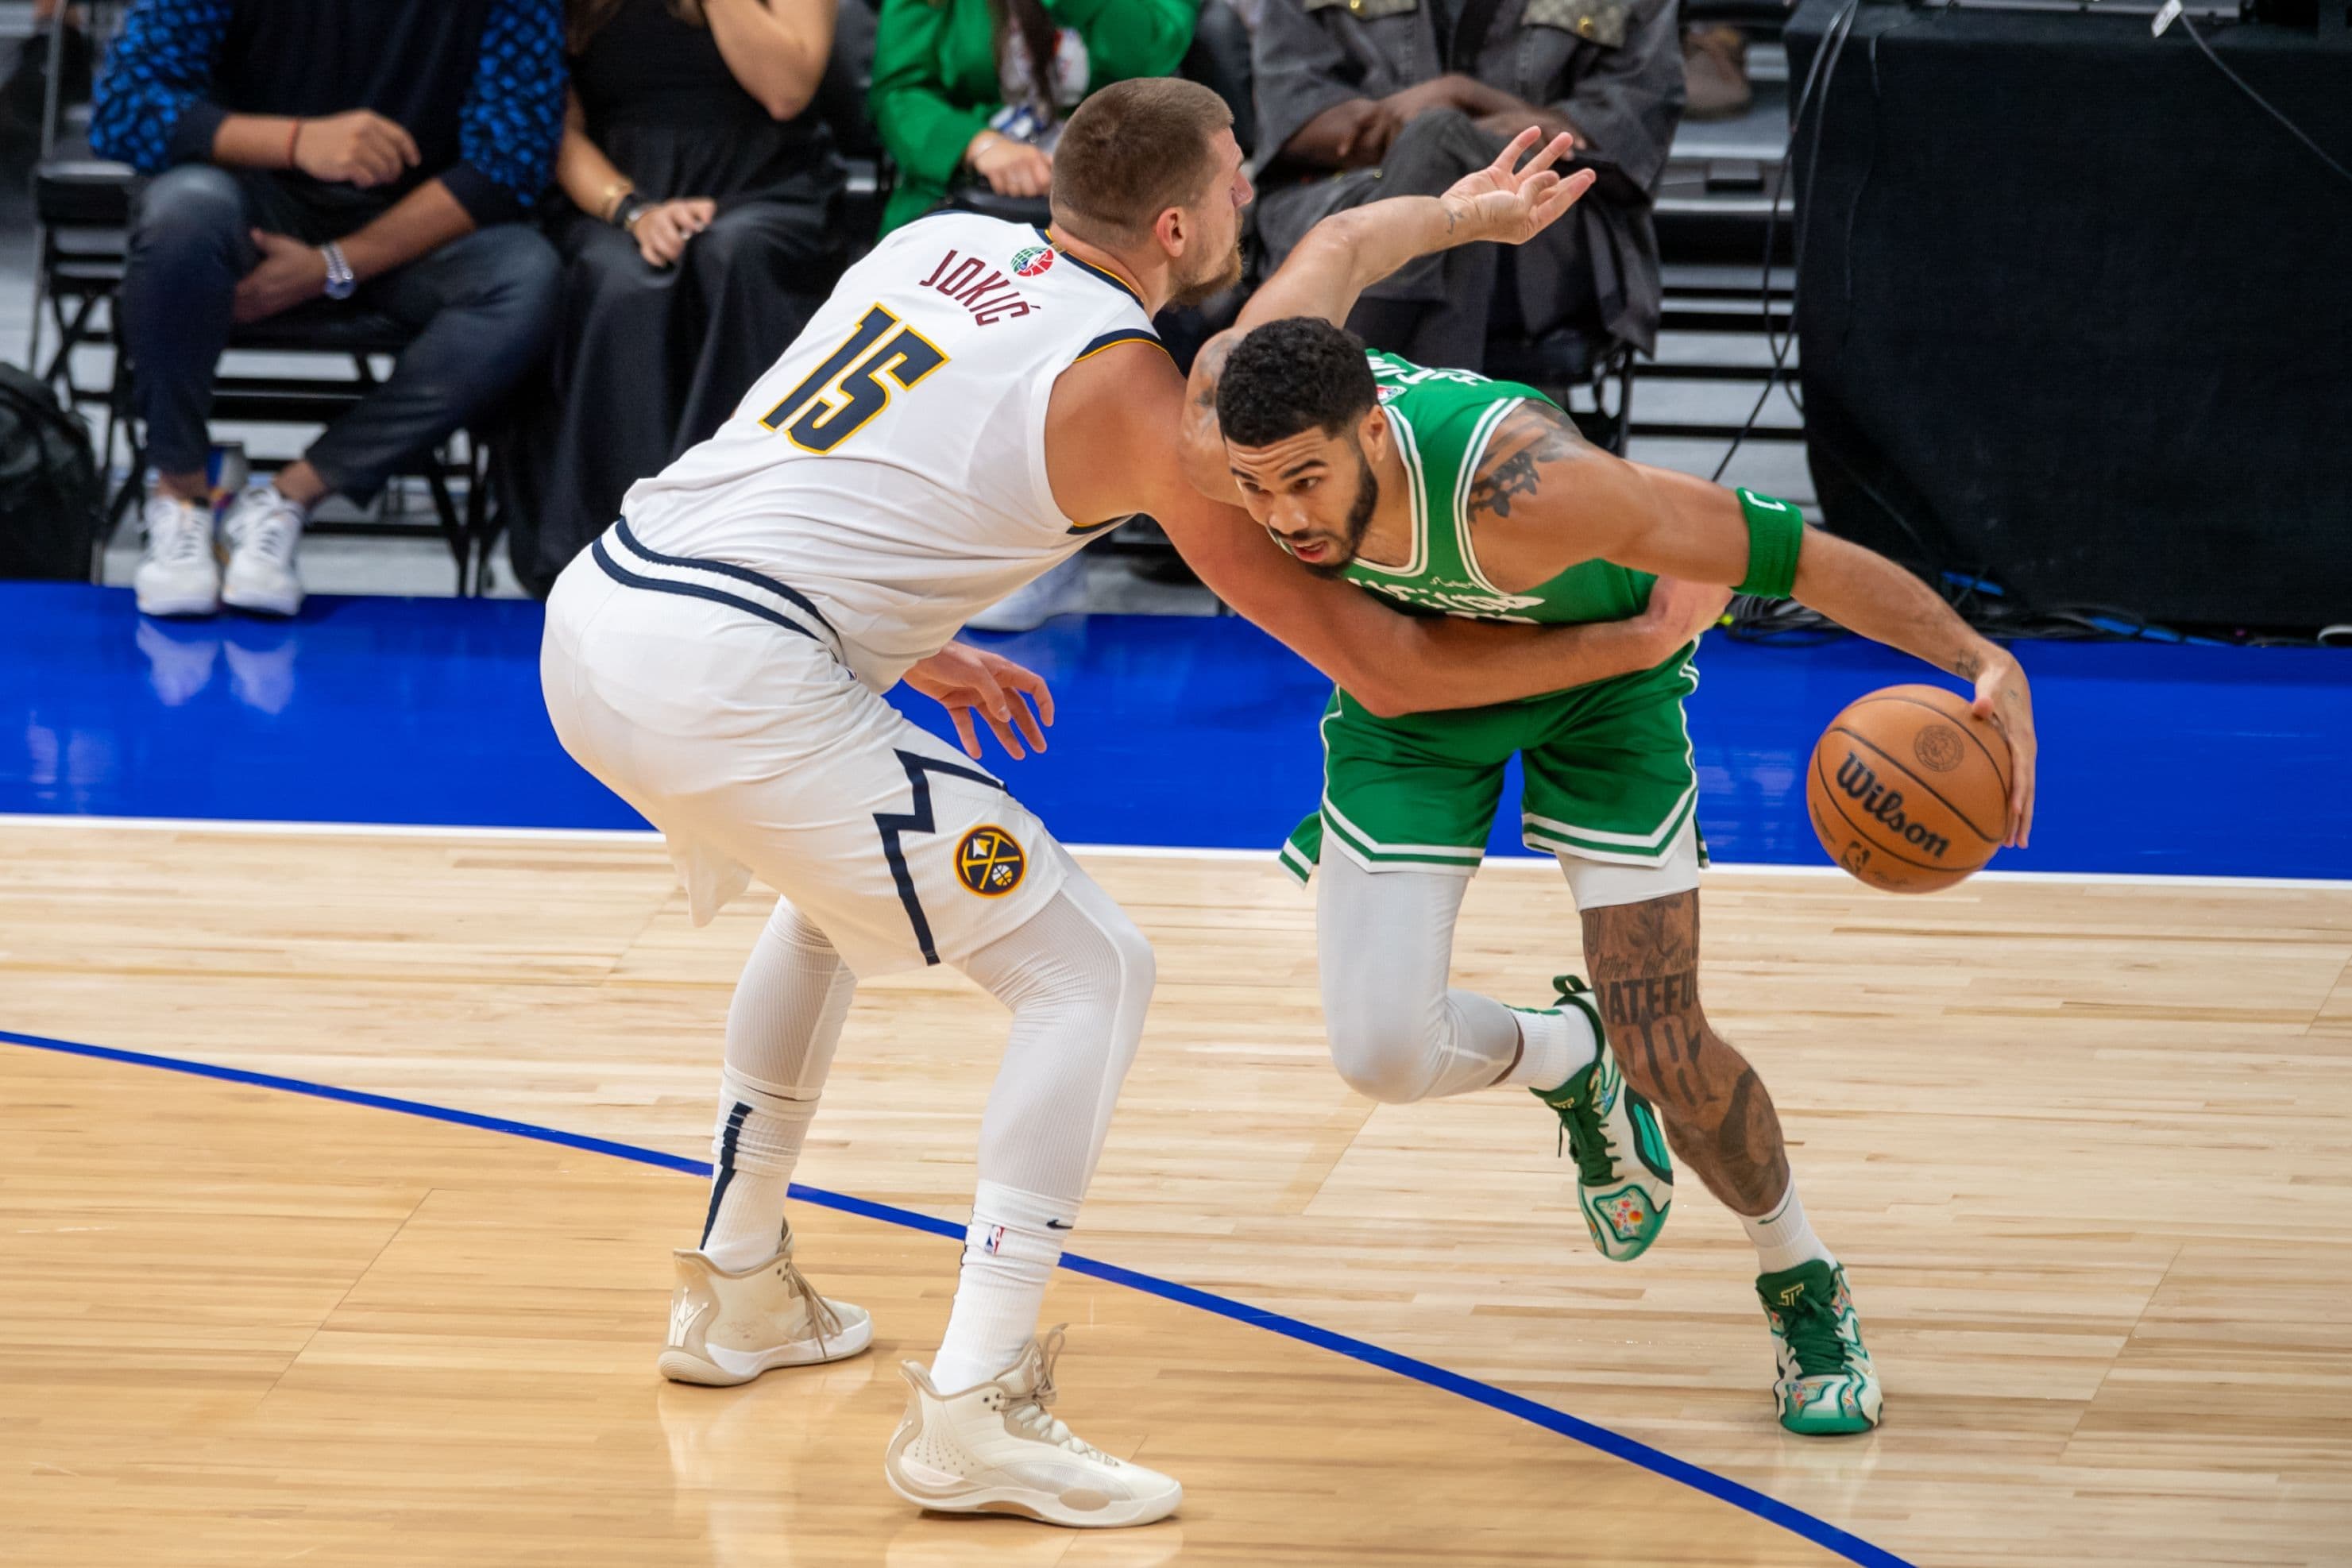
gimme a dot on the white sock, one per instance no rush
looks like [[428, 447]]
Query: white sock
[[781, 1028], [1556, 1044], [1007, 1265], [1784, 1238], [756, 1146]]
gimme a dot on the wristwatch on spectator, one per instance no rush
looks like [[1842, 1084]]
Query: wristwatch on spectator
[[627, 210], [342, 281]]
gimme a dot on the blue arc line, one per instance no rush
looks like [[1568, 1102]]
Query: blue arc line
[[1821, 1532]]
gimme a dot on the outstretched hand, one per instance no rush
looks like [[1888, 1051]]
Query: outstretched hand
[[1511, 202], [962, 678]]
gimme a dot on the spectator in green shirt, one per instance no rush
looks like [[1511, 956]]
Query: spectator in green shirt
[[957, 93]]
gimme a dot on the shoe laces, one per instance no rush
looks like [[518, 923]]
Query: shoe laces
[[1031, 1414], [822, 1317], [1583, 1135], [1810, 1327], [269, 527], [177, 532]]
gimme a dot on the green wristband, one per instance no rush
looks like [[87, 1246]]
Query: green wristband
[[1775, 531]]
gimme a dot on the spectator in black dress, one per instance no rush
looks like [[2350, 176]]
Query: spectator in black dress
[[696, 245]]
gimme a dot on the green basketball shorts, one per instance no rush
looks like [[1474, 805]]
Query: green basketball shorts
[[1607, 766]]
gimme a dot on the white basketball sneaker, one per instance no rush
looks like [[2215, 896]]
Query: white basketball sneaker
[[725, 1328], [997, 1449], [178, 572], [264, 529]]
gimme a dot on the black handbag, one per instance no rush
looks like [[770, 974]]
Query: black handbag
[[51, 496]]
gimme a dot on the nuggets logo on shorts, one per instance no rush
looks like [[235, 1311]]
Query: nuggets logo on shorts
[[990, 863]]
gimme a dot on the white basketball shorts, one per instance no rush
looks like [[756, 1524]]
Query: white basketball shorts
[[715, 701]]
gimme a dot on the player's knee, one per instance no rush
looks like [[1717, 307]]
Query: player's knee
[[1132, 960], [795, 930], [1384, 1056]]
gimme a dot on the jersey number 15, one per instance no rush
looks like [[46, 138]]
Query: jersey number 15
[[834, 401]]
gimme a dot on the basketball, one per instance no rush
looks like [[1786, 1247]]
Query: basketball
[[1909, 789]]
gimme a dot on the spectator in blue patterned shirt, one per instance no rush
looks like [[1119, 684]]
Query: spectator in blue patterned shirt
[[380, 152]]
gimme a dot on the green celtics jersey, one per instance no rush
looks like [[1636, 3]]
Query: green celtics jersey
[[1443, 420]]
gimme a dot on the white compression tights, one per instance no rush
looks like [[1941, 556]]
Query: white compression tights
[[1077, 977], [1384, 942]]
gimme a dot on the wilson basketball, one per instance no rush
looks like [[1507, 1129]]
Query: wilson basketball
[[1909, 789]]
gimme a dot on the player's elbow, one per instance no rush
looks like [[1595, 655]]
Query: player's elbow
[[1381, 696]]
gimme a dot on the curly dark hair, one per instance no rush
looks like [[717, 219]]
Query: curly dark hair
[[1291, 376]]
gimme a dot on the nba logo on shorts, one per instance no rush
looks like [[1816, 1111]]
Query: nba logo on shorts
[[1033, 260]]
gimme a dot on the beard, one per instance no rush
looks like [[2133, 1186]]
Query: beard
[[1213, 280], [1359, 518]]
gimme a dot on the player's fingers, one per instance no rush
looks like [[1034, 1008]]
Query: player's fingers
[[1559, 147], [993, 700], [1563, 196], [1507, 160], [2025, 813], [1034, 684], [1026, 722], [965, 733], [1006, 738]]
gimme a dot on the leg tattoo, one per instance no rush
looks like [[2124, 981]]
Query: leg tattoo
[[1718, 1114]]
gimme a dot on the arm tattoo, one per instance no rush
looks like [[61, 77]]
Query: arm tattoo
[[1514, 476], [1532, 438]]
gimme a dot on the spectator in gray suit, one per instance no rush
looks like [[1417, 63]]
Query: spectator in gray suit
[[1359, 99]]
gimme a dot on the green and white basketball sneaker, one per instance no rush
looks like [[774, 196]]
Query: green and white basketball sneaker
[[1826, 1385], [1624, 1177]]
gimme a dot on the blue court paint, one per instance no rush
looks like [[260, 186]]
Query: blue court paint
[[1172, 730], [1852, 1548]]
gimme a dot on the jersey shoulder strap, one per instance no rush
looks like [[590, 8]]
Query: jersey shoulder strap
[[1443, 420]]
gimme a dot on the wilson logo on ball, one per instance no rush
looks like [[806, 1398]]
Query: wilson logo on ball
[[1861, 784]]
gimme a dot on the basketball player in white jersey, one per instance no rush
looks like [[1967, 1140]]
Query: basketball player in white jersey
[[975, 402]]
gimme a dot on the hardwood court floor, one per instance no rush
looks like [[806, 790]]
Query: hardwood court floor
[[2087, 1150]]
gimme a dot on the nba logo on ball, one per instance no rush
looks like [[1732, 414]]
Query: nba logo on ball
[[988, 862], [1908, 789], [1033, 260]]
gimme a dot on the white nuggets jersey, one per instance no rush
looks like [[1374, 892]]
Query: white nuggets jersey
[[891, 466]]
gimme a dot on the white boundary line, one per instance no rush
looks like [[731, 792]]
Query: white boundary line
[[1133, 852]]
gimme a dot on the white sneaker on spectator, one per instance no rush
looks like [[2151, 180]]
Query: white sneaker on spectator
[[264, 532], [1060, 591], [178, 572]]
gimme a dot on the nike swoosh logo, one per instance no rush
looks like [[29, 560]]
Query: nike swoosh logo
[[1057, 1225]]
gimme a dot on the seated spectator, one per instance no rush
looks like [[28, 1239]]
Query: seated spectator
[[374, 151], [977, 89], [696, 242], [1355, 102]]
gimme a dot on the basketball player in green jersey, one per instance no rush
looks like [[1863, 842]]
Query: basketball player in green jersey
[[1451, 494]]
